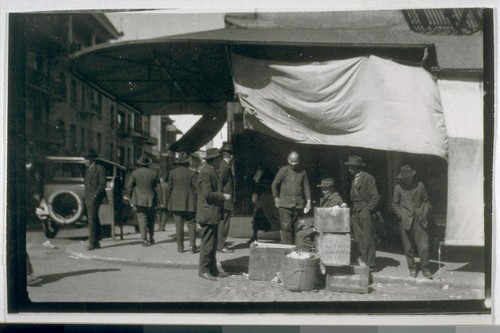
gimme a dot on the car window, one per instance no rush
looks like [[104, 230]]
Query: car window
[[55, 170]]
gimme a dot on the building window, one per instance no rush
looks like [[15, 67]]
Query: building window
[[137, 122], [99, 143], [99, 104], [112, 116], [129, 121], [82, 138], [72, 137], [61, 132], [111, 151], [83, 98], [121, 121], [90, 139], [129, 158], [137, 152], [73, 95]]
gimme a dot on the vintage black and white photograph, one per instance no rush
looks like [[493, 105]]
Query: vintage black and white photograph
[[189, 160]]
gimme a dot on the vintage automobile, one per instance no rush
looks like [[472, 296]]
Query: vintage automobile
[[63, 195]]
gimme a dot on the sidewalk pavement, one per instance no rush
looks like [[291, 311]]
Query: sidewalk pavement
[[393, 266]]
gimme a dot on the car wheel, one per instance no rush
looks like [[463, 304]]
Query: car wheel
[[50, 228]]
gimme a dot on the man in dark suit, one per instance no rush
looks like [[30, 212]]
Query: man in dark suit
[[364, 201], [142, 189], [209, 211], [95, 195], [227, 179], [411, 204], [182, 203]]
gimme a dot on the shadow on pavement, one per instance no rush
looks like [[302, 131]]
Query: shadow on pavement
[[236, 265], [49, 278], [383, 262], [122, 244]]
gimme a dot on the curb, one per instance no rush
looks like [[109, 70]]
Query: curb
[[375, 278]]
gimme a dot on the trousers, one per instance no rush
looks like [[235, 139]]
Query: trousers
[[416, 237], [93, 220], [208, 249], [362, 225], [223, 230], [289, 218], [179, 219], [146, 220]]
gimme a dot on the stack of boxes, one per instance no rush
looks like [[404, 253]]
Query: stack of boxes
[[334, 248]]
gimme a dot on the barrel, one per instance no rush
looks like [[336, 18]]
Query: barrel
[[300, 274]]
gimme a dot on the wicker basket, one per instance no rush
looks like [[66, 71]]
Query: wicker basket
[[300, 274]]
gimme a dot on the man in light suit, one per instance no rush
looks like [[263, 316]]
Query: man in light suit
[[182, 203], [142, 188], [209, 211], [95, 195], [364, 201], [227, 179], [411, 204]]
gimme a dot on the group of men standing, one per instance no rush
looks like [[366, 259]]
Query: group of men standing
[[201, 193], [410, 203], [194, 192]]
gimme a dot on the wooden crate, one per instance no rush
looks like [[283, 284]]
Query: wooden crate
[[334, 249], [353, 279], [332, 219], [266, 260]]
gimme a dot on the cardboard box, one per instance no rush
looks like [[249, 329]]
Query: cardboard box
[[266, 260], [334, 249], [353, 279], [332, 219]]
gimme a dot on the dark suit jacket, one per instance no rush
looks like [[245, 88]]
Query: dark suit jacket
[[331, 200], [182, 190], [95, 184], [367, 190], [143, 187], [411, 205], [209, 206], [227, 179]]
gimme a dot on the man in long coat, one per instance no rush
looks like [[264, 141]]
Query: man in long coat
[[209, 210], [142, 188], [364, 201], [182, 203], [411, 204], [227, 179], [95, 195]]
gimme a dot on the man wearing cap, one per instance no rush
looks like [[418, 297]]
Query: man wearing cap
[[330, 197], [209, 213], [411, 204], [95, 195], [226, 177], [182, 194], [143, 188], [364, 200], [292, 195]]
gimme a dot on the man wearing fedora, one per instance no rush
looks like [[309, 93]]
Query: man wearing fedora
[[95, 195], [330, 197], [411, 204], [227, 179], [143, 188], [182, 203], [209, 213], [364, 201]]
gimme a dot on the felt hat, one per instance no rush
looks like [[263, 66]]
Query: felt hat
[[355, 160], [182, 158], [91, 155], [144, 160], [226, 147], [326, 182], [406, 171], [212, 153]]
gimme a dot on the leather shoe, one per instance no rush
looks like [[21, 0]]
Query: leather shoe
[[427, 274], [145, 243], [180, 250], [413, 273], [207, 276], [91, 248], [151, 241], [193, 249], [226, 250], [222, 274]]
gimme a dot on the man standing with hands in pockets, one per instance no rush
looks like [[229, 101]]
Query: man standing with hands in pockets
[[209, 213], [292, 195]]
